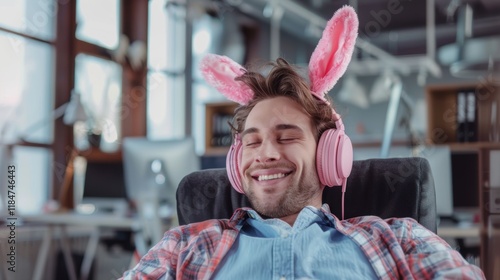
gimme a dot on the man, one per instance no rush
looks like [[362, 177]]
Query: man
[[288, 234]]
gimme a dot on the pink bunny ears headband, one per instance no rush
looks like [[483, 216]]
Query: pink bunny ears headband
[[327, 64]]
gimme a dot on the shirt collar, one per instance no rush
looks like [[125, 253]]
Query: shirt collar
[[241, 214]]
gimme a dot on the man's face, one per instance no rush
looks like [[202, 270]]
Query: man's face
[[278, 159]]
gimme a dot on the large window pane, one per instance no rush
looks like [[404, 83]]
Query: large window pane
[[98, 22], [166, 63], [207, 37], [166, 35], [36, 18], [165, 106], [27, 88], [99, 82]]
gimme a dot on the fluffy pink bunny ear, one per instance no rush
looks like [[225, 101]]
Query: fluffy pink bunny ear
[[220, 72], [334, 50]]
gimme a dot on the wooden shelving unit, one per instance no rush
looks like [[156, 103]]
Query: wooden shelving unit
[[490, 230], [442, 130], [442, 111], [216, 116]]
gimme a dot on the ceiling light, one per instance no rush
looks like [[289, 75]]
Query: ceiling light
[[381, 90], [353, 92]]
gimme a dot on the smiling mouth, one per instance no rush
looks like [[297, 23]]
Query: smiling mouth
[[269, 177]]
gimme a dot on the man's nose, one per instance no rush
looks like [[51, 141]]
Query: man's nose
[[268, 151]]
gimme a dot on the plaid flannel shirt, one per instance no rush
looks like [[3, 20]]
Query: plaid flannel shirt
[[396, 248]]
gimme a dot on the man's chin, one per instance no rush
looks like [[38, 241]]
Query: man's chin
[[279, 210], [266, 214], [268, 211]]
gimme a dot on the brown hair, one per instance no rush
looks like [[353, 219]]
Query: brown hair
[[283, 80]]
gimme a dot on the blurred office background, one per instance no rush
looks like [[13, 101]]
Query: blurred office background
[[131, 68]]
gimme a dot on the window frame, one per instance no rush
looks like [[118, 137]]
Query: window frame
[[66, 47], [133, 98]]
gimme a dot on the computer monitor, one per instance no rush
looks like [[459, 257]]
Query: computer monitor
[[439, 158], [465, 184], [159, 164], [103, 189]]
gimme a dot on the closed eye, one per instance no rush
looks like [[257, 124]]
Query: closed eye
[[251, 144], [287, 140]]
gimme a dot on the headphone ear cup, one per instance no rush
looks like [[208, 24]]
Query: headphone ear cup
[[334, 157], [233, 166], [345, 156]]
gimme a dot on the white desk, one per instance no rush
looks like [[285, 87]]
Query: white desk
[[458, 231], [70, 218], [62, 221]]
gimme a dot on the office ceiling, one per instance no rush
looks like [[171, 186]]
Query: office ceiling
[[466, 36], [403, 33]]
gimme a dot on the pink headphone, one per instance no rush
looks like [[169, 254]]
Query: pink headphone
[[334, 155]]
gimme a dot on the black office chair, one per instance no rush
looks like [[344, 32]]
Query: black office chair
[[396, 187]]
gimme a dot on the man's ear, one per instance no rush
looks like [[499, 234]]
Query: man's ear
[[221, 72], [334, 50]]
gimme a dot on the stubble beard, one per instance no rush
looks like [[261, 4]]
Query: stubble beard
[[296, 197]]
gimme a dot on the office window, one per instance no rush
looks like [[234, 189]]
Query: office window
[[166, 70], [99, 83], [27, 91], [33, 18], [98, 22], [165, 105], [27, 31], [206, 32]]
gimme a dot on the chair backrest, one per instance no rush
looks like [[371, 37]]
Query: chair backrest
[[395, 187]]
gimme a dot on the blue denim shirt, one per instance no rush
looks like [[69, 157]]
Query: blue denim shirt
[[311, 249]]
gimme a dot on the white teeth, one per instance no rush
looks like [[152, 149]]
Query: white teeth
[[270, 177]]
